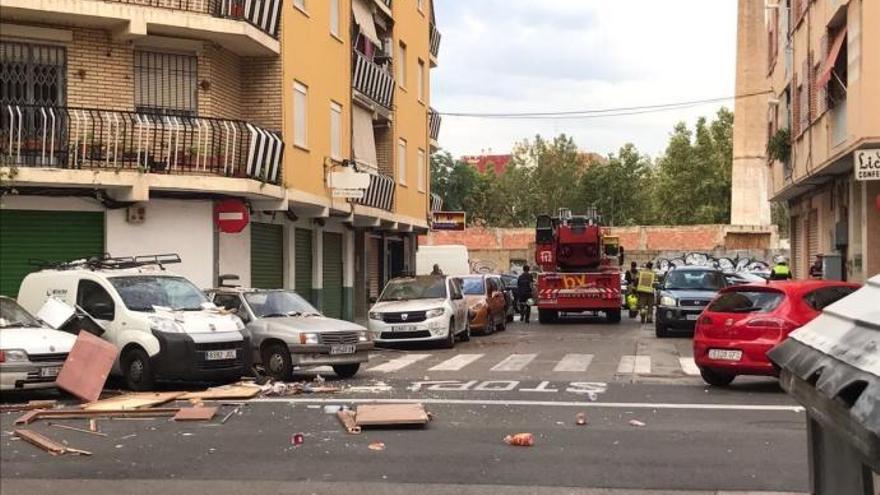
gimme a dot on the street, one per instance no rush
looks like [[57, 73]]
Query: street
[[532, 378]]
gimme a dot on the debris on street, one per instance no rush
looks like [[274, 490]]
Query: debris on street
[[377, 446], [273, 389], [87, 367], [520, 440], [73, 428], [52, 447], [241, 390], [29, 406], [580, 419], [231, 413], [195, 414], [637, 423], [69, 413], [391, 414], [139, 400], [347, 418], [297, 439]]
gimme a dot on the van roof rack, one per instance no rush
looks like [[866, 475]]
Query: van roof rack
[[107, 262]]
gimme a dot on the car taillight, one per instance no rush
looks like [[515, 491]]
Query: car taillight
[[770, 322], [2, 357]]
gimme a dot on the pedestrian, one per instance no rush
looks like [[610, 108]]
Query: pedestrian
[[632, 275], [436, 270], [816, 269], [523, 293], [645, 293], [780, 270]]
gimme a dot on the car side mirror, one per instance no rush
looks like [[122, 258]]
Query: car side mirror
[[372, 300]]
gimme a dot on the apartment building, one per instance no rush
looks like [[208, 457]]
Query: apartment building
[[141, 126], [823, 128]]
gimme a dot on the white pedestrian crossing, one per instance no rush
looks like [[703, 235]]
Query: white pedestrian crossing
[[456, 363], [514, 362], [399, 363], [689, 366], [638, 365], [575, 363]]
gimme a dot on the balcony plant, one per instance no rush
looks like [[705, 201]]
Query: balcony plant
[[779, 146]]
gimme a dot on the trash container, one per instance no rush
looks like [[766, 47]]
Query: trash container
[[832, 367]]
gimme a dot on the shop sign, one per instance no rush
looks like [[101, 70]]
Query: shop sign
[[348, 184], [448, 220], [867, 164]]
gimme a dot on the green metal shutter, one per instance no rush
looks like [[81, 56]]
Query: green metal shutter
[[303, 266], [333, 275], [48, 236], [267, 256]]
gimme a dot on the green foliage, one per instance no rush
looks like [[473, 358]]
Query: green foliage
[[779, 146]]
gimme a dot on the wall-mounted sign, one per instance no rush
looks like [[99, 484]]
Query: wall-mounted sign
[[231, 216], [867, 164], [348, 193], [348, 183], [448, 220]]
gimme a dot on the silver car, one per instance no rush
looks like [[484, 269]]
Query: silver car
[[287, 332]]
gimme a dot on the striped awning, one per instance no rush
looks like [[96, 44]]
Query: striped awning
[[436, 202], [380, 194], [264, 154]]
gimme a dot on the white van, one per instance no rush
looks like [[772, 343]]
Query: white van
[[163, 325], [452, 260]]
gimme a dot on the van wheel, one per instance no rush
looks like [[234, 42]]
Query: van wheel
[[346, 370], [137, 370], [449, 341], [277, 362], [716, 378]]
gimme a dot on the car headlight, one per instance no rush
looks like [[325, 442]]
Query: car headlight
[[308, 338], [165, 325], [668, 301], [363, 336], [239, 325], [14, 355], [433, 313], [375, 315]]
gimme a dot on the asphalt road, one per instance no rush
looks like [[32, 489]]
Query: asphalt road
[[695, 439]]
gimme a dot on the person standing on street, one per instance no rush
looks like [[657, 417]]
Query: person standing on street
[[645, 293], [780, 270], [632, 275], [523, 293], [436, 270]]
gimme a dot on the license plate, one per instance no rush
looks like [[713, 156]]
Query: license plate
[[218, 355], [725, 354], [406, 328], [692, 317], [343, 349], [49, 372]]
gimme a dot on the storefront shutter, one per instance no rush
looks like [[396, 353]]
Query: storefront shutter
[[812, 237], [267, 256], [303, 260], [47, 236], [796, 246], [332, 275], [374, 277]]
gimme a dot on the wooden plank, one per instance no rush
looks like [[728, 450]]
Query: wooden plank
[[155, 412], [40, 441], [226, 392], [81, 430], [347, 418], [391, 414], [31, 405], [87, 367], [132, 401], [195, 414]]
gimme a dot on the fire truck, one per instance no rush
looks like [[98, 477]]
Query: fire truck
[[580, 266]]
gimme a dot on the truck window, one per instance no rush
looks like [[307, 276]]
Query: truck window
[[96, 301], [228, 301]]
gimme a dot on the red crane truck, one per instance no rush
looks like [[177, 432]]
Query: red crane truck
[[580, 267]]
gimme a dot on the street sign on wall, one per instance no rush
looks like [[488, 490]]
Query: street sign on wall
[[867, 164], [231, 216], [448, 220]]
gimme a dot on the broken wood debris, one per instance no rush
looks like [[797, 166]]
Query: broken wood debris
[[231, 413], [239, 390], [347, 418], [87, 367], [47, 444], [34, 415], [133, 401], [31, 405], [195, 414], [81, 430], [391, 414]]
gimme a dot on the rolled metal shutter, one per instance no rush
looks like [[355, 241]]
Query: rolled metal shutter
[[332, 275], [812, 238], [47, 236], [796, 246], [267, 256], [374, 278], [303, 263]]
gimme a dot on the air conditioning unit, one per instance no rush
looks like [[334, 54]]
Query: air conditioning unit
[[388, 47]]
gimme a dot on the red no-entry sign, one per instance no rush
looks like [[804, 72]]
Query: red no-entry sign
[[231, 216]]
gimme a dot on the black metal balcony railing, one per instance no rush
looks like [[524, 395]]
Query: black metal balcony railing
[[435, 40], [373, 81], [89, 138], [380, 194], [265, 15], [434, 120]]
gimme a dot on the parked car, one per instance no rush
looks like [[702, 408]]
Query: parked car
[[682, 296], [31, 353], [163, 325], [487, 305], [420, 309], [737, 329], [287, 332]]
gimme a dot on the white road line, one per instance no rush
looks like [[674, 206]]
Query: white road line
[[574, 363], [399, 363], [538, 403], [689, 366], [639, 365], [456, 363], [514, 362]]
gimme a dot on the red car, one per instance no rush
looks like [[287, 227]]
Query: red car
[[734, 333]]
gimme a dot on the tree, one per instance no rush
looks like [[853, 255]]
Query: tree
[[620, 187]]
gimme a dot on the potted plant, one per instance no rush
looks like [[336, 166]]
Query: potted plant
[[779, 146]]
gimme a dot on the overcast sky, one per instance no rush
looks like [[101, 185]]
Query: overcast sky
[[558, 55]]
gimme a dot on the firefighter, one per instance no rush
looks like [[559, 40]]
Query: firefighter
[[632, 275], [632, 300], [523, 293], [780, 270], [645, 293]]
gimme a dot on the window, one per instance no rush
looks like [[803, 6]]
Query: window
[[747, 301], [144, 292], [300, 115], [334, 17], [335, 130], [300, 4], [421, 80], [228, 301], [820, 298], [422, 170], [401, 65], [165, 83], [32, 74], [401, 162], [95, 300]]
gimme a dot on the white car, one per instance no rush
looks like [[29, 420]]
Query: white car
[[31, 353], [420, 309]]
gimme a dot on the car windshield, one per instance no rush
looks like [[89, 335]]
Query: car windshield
[[274, 304], [751, 301], [694, 280], [13, 315], [143, 292], [473, 286], [414, 288]]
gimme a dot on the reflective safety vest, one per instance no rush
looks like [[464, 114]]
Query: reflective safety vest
[[781, 272], [646, 281]]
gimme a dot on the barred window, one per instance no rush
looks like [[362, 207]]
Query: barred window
[[165, 83], [32, 74]]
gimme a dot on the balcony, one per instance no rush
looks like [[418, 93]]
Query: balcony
[[245, 27], [434, 120], [98, 139], [380, 194], [373, 81], [435, 44]]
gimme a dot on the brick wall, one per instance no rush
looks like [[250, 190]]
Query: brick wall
[[222, 71], [261, 95], [385, 150], [99, 71]]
